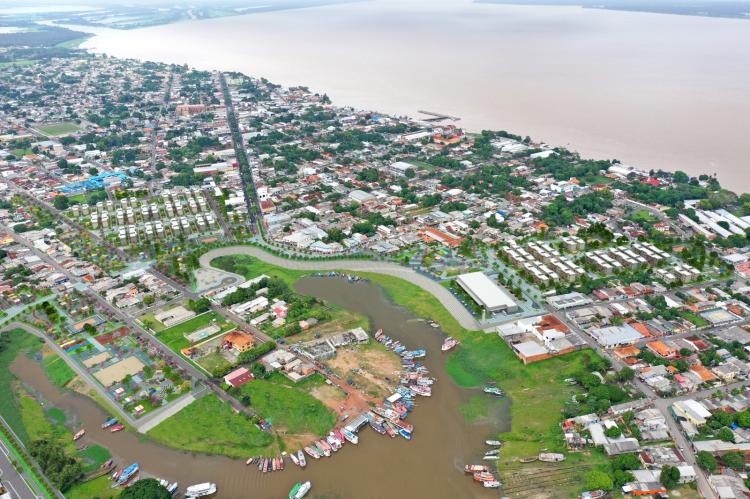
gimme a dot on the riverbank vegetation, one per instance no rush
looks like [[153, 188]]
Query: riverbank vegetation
[[287, 408], [210, 426], [42, 427]]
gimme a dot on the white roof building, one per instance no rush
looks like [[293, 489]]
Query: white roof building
[[486, 293]]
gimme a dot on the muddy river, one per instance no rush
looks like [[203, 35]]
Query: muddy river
[[430, 465]]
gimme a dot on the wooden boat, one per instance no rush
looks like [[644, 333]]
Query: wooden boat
[[78, 435], [476, 468]]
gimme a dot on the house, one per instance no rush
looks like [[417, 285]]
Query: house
[[238, 341], [692, 411], [238, 377]]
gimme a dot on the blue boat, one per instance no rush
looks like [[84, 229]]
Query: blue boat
[[109, 422], [126, 475], [404, 433]]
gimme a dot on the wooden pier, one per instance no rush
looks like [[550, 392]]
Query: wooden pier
[[438, 116]]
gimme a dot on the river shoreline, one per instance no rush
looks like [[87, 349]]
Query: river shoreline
[[593, 101], [441, 440]]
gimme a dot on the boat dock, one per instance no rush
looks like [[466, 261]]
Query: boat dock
[[357, 423], [437, 116]]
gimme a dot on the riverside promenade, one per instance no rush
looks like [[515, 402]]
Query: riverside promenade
[[450, 302]]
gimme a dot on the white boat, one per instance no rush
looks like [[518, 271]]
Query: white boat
[[300, 490], [173, 488], [491, 484], [493, 443], [200, 490], [301, 458], [350, 436]]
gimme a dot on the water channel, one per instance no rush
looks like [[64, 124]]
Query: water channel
[[430, 465]]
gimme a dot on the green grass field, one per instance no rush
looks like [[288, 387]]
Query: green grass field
[[58, 371], [211, 426], [150, 322], [55, 129], [250, 267], [38, 426], [288, 407], [17, 341], [174, 337], [98, 487], [93, 457]]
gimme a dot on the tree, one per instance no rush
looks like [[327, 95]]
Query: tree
[[743, 419], [734, 460], [706, 461], [200, 305], [598, 480], [147, 488], [680, 177], [725, 434], [625, 374], [61, 202], [614, 432], [63, 470], [670, 476]]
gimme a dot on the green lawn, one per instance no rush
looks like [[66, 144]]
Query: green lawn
[[98, 487], [211, 426], [58, 371], [38, 426], [93, 457], [11, 345], [174, 337], [55, 129], [149, 321], [288, 407], [249, 267], [213, 362]]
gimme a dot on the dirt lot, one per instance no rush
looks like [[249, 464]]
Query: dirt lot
[[369, 367]]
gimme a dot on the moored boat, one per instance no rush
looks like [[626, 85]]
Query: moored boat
[[294, 459], [491, 484], [350, 436], [301, 458], [78, 435], [476, 468], [493, 390], [593, 494], [126, 474], [449, 343], [494, 443], [109, 422], [173, 488], [116, 428], [300, 490], [200, 490]]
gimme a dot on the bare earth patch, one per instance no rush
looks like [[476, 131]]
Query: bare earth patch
[[368, 366]]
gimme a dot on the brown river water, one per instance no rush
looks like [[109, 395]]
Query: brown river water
[[430, 465], [653, 90]]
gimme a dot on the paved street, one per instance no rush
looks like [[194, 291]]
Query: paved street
[[13, 481], [448, 300]]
